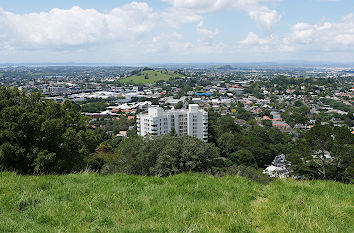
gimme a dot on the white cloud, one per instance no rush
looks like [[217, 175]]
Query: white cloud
[[60, 28], [174, 47], [265, 17], [302, 37], [175, 17], [325, 36], [253, 39], [200, 6], [208, 34], [262, 15], [162, 42]]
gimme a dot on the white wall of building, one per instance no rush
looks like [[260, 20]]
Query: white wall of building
[[192, 121]]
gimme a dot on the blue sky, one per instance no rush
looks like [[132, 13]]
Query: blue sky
[[176, 31]]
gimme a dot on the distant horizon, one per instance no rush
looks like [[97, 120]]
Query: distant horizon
[[295, 62]]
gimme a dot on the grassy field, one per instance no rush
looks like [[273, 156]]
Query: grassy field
[[182, 203], [154, 76]]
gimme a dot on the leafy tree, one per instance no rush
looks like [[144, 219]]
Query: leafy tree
[[94, 107], [227, 124], [41, 136], [243, 114], [163, 156], [173, 132], [325, 152], [227, 143], [267, 123], [266, 112], [179, 105], [299, 118], [298, 103], [244, 157]]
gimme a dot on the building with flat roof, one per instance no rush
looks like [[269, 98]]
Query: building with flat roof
[[192, 121]]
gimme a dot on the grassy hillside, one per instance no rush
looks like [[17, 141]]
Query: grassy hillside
[[182, 203], [153, 77]]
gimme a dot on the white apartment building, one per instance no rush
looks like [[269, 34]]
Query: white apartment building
[[192, 121]]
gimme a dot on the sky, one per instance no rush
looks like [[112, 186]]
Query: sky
[[176, 31]]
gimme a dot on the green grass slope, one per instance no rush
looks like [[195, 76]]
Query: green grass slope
[[182, 203], [154, 76]]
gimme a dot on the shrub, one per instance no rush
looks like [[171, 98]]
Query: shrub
[[244, 171]]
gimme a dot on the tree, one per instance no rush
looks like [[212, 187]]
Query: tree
[[94, 107], [243, 114], [325, 152], [227, 143], [243, 157], [298, 103], [266, 112], [173, 132], [179, 105], [42, 136], [164, 155], [267, 123], [227, 124], [186, 154]]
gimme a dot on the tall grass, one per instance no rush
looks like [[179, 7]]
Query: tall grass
[[182, 203]]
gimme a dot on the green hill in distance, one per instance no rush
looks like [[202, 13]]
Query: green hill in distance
[[223, 67], [183, 203], [149, 76]]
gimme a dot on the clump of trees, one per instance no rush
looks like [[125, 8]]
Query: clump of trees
[[162, 156], [42, 136], [94, 107], [325, 152], [254, 146]]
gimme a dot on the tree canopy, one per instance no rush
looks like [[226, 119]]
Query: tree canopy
[[325, 152], [163, 156], [41, 136]]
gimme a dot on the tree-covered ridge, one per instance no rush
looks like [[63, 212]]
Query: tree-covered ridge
[[41, 136]]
